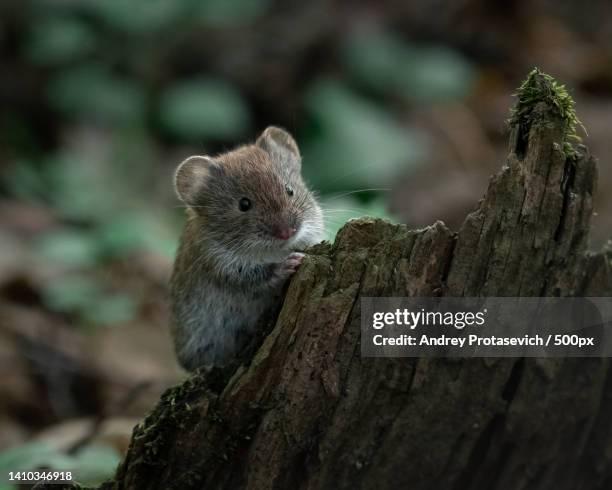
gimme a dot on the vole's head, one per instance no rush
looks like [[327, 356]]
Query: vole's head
[[252, 202]]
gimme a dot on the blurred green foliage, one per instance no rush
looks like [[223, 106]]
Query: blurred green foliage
[[204, 109], [137, 16], [60, 39], [85, 296], [128, 88], [92, 92], [101, 199], [421, 74], [230, 13], [354, 143], [91, 465]]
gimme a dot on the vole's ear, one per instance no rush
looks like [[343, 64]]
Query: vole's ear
[[279, 144], [190, 176]]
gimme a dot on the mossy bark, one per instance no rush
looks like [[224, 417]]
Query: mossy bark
[[308, 412]]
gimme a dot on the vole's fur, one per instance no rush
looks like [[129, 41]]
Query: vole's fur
[[231, 264]]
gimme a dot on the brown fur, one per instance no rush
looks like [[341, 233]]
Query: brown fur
[[231, 264]]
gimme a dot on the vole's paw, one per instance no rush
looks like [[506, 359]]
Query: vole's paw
[[293, 261], [287, 267]]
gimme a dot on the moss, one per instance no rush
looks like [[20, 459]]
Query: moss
[[541, 87], [177, 404]]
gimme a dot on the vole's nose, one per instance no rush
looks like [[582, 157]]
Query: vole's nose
[[285, 233]]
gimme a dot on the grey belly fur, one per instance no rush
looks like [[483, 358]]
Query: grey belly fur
[[213, 319]]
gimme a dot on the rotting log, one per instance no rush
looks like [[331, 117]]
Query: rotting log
[[305, 411]]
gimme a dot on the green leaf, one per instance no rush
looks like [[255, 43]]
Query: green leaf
[[231, 12], [424, 74], [71, 294], [69, 248], [148, 228], [110, 309], [373, 59], [95, 463], [25, 181], [91, 465], [442, 74], [59, 39], [355, 144], [122, 235], [27, 457], [78, 186], [204, 109], [91, 92], [86, 297], [139, 16]]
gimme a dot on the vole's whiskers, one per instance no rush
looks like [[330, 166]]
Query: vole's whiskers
[[335, 197], [344, 211]]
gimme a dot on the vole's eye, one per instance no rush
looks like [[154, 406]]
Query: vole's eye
[[289, 190], [244, 204]]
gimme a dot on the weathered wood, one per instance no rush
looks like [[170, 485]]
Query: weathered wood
[[309, 412]]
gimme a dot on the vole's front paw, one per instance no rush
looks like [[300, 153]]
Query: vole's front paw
[[293, 261], [287, 267]]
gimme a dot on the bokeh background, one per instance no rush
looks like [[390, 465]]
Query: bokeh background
[[399, 108]]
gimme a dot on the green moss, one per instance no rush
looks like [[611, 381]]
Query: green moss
[[541, 87], [176, 407]]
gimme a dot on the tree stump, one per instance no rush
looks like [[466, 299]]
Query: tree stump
[[307, 412]]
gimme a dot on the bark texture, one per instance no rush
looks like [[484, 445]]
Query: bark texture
[[307, 412]]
